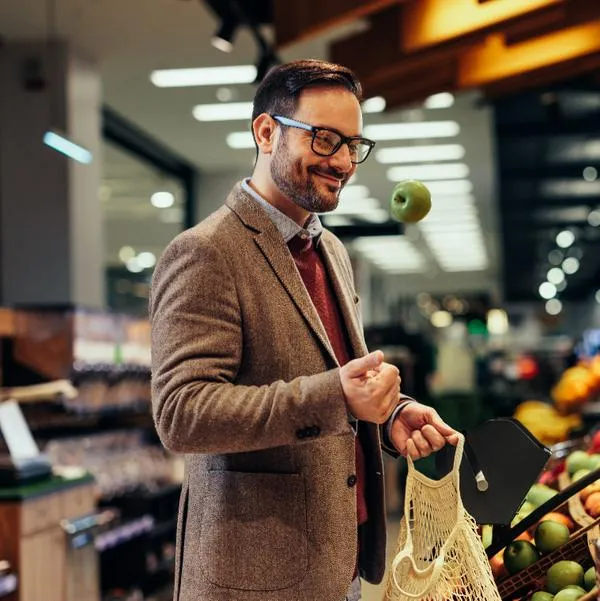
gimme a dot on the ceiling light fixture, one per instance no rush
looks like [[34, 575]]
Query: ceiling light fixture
[[420, 154], [443, 100], [412, 131], [162, 200], [203, 76], [565, 238], [61, 143], [431, 172], [374, 105], [230, 111]]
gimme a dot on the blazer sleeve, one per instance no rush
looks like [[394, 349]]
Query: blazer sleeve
[[196, 353]]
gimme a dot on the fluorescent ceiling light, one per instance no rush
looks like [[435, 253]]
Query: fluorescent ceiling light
[[420, 154], [147, 260], [573, 149], [240, 140], [223, 111], [453, 187], [356, 206], [565, 238], [466, 225], [353, 192], [443, 100], [376, 216], [337, 220], [391, 253], [429, 172], [374, 105], [162, 200], [206, 76], [62, 144], [594, 218], [570, 265], [410, 131], [553, 306], [547, 290], [126, 253], [570, 187]]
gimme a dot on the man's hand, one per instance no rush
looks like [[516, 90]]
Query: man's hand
[[419, 431], [371, 387]]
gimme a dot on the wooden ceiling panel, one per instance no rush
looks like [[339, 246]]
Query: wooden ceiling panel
[[429, 23], [299, 20], [399, 56]]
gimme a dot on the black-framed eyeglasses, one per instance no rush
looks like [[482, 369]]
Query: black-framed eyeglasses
[[326, 142]]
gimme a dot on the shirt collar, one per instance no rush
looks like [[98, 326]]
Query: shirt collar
[[286, 226]]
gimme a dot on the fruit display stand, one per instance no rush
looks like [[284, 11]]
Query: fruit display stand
[[576, 508], [579, 548]]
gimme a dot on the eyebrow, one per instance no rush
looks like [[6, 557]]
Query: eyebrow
[[337, 131]]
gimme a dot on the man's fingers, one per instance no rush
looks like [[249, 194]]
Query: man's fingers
[[421, 443], [434, 438], [441, 426], [362, 365], [411, 450]]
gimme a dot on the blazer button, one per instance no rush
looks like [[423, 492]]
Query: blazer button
[[352, 480]]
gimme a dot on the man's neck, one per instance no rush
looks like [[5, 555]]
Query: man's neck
[[273, 196]]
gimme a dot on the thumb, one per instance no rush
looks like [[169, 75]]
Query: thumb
[[360, 366], [444, 429]]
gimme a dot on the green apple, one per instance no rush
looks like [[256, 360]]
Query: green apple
[[538, 494], [594, 461], [550, 535], [569, 593], [578, 460], [518, 555], [589, 579], [563, 573], [410, 202], [580, 474], [542, 596]]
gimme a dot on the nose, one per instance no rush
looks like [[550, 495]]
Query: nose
[[341, 159]]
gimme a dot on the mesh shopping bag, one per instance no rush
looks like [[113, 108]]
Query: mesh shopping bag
[[439, 556]]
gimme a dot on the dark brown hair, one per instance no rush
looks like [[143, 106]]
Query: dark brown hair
[[279, 91]]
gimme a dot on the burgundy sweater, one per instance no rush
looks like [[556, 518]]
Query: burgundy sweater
[[314, 274]]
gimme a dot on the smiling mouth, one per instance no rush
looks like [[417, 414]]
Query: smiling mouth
[[329, 178]]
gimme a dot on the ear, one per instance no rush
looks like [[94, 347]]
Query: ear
[[264, 128]]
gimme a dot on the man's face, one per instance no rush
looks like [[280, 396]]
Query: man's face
[[311, 181]]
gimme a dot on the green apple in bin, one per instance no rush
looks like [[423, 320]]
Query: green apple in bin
[[410, 202]]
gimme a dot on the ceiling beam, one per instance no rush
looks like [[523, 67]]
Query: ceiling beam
[[525, 44], [300, 20], [428, 23], [494, 61]]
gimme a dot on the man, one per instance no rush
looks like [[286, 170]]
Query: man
[[260, 371]]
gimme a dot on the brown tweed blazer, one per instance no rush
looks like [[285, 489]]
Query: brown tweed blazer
[[246, 384]]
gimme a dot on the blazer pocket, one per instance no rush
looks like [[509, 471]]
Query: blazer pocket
[[254, 530]]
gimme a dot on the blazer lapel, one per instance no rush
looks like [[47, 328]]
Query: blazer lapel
[[275, 250], [345, 294]]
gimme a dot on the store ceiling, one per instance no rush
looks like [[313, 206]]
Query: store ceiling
[[131, 39]]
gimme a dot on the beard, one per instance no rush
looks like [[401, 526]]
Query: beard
[[301, 186]]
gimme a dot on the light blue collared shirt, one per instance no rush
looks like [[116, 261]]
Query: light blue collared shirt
[[287, 227]]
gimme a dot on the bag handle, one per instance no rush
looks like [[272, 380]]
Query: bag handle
[[433, 571]]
